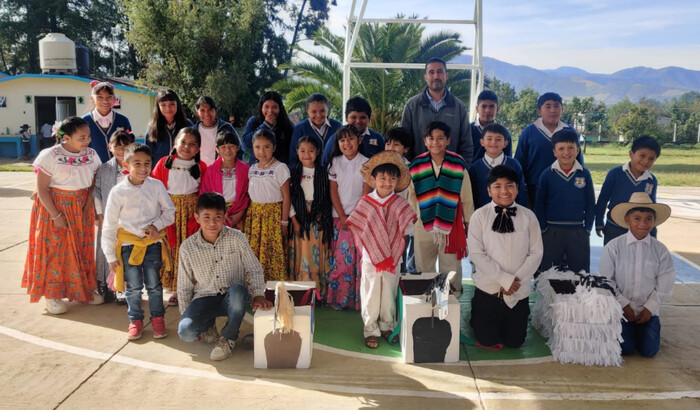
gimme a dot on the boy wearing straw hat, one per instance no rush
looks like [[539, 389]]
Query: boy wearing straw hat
[[642, 271], [378, 224]]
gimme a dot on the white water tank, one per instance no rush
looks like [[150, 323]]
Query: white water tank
[[57, 54]]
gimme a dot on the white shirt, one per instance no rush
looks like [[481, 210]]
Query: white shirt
[[577, 167], [207, 151], [322, 130], [68, 171], [134, 208], [642, 271], [180, 181], [494, 161], [540, 126], [346, 173], [501, 257], [265, 185], [46, 130], [404, 194], [375, 196], [645, 175], [307, 186], [104, 121], [229, 184]]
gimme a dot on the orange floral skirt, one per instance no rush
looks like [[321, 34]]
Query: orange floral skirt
[[61, 262]]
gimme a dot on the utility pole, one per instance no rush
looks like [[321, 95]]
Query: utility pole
[[675, 126]]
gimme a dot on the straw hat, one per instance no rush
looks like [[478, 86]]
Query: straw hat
[[639, 200], [387, 157]]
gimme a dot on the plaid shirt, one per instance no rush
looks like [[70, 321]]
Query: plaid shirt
[[207, 269]]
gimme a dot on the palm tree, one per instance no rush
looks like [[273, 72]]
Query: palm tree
[[387, 90]]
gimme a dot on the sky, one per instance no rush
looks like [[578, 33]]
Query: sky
[[599, 36]]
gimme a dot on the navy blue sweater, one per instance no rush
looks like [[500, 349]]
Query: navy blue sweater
[[304, 128], [565, 200], [618, 187], [162, 148], [478, 172], [99, 139], [371, 144], [535, 153], [479, 151]]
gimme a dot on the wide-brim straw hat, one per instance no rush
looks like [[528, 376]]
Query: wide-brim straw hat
[[387, 157], [639, 200]]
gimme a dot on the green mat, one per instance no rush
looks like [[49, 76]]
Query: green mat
[[343, 330]]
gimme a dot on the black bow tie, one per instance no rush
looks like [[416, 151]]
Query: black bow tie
[[504, 222]]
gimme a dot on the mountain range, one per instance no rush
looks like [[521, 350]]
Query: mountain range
[[633, 83]]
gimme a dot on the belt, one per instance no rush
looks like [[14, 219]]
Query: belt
[[498, 295]]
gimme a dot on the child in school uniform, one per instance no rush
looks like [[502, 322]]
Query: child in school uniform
[[642, 271], [267, 222], [347, 187], [108, 175], [271, 115], [623, 181], [534, 151], [318, 124], [566, 207], [167, 120], [229, 176], [441, 195], [133, 239], [181, 172], [209, 126], [103, 120], [378, 224], [493, 142], [61, 256], [486, 110], [505, 245], [312, 221]]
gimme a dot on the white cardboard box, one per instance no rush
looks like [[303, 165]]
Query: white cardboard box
[[429, 340]]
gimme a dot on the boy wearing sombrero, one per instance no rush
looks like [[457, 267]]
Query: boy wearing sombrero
[[378, 224], [642, 271]]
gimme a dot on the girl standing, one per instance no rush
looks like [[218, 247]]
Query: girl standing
[[271, 115], [209, 126], [168, 118], [108, 175], [311, 218], [181, 173], [229, 177], [102, 120], [61, 261], [268, 215], [347, 187], [318, 125]]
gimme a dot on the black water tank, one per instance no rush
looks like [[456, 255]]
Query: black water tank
[[82, 59]]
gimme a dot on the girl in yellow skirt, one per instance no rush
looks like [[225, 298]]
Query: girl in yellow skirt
[[181, 173], [311, 216], [268, 215], [61, 257]]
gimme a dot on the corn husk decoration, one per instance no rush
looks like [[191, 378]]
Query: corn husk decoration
[[284, 310]]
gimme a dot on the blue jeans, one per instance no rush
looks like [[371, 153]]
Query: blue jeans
[[645, 338], [201, 314], [147, 273]]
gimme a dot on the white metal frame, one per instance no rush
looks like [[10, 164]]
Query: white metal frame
[[476, 67]]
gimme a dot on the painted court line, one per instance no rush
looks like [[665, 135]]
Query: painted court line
[[539, 396]]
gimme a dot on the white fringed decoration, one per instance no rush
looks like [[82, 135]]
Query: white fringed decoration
[[583, 327]]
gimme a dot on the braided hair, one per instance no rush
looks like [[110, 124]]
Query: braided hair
[[194, 171]]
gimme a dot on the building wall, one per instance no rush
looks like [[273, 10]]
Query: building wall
[[136, 105]]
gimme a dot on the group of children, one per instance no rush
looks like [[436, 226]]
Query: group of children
[[185, 212]]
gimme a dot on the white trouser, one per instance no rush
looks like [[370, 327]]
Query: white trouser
[[378, 299], [427, 252]]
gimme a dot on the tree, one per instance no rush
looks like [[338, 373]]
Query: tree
[[522, 112], [387, 90], [640, 120]]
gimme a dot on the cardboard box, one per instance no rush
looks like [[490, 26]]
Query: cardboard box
[[416, 284], [298, 289], [424, 337], [273, 350]]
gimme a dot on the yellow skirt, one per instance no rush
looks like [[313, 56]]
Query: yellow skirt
[[264, 232], [185, 205]]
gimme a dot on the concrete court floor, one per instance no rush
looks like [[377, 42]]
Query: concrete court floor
[[82, 359]]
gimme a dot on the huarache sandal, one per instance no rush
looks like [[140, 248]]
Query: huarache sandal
[[371, 342], [387, 334]]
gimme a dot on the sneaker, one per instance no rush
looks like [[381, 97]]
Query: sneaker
[[135, 329], [121, 299], [173, 300], [158, 327], [223, 349], [97, 299], [56, 306], [209, 336]]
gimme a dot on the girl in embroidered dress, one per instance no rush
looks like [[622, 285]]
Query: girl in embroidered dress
[[268, 215], [312, 220], [228, 176], [61, 257], [108, 175], [103, 120], [347, 187], [181, 173], [168, 118]]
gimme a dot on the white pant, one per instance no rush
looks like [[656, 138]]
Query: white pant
[[378, 299]]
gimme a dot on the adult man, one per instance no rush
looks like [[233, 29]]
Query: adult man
[[436, 103], [47, 140]]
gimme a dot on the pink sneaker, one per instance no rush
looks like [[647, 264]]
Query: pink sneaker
[[135, 329], [158, 327]]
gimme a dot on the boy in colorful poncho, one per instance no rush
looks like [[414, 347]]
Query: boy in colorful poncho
[[378, 224], [441, 195]]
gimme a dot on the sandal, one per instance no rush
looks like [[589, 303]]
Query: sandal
[[371, 342], [387, 334]]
